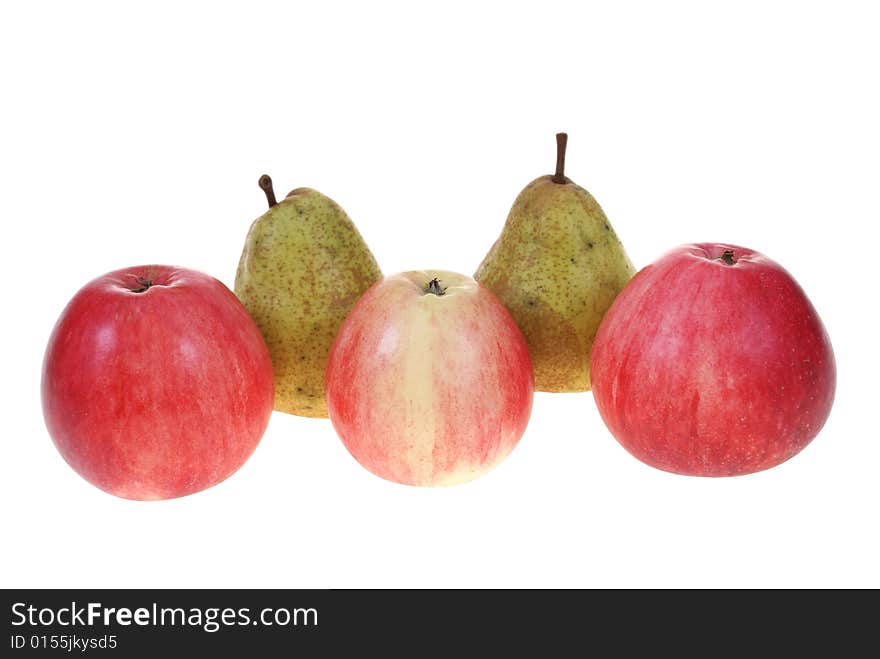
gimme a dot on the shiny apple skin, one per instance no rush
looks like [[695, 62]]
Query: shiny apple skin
[[428, 389], [156, 382], [710, 368]]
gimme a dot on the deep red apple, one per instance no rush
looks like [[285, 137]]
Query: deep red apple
[[156, 382], [713, 362], [429, 381]]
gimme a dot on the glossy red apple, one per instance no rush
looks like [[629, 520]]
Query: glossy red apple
[[429, 380], [713, 362], [156, 382]]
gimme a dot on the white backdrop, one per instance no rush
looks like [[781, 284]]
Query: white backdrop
[[134, 136]]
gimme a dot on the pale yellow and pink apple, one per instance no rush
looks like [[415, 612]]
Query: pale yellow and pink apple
[[429, 381]]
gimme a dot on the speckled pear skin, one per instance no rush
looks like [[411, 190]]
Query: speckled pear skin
[[303, 267], [557, 266]]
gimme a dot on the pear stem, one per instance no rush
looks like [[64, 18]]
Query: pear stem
[[265, 184], [561, 143]]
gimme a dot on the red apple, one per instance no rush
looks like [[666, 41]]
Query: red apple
[[429, 380], [156, 382], [713, 362]]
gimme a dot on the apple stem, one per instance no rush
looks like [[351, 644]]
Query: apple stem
[[143, 285], [561, 143], [265, 184], [434, 287], [727, 257]]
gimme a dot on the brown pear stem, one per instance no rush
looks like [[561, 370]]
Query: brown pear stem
[[265, 184], [561, 143]]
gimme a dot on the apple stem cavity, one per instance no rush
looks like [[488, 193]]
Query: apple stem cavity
[[434, 287], [143, 285], [265, 184], [561, 143], [727, 257]]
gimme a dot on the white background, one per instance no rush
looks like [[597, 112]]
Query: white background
[[137, 135]]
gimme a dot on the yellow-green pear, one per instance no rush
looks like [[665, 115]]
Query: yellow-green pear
[[557, 266], [303, 267]]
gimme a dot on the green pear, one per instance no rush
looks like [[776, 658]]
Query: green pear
[[557, 266], [303, 267]]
